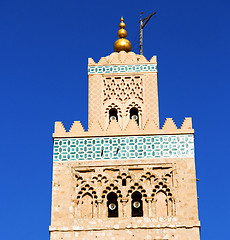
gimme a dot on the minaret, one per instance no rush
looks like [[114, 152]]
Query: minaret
[[124, 178]]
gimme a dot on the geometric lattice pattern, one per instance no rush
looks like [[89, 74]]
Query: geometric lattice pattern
[[130, 147], [122, 68], [122, 88]]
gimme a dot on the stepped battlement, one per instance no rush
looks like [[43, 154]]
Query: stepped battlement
[[114, 129]]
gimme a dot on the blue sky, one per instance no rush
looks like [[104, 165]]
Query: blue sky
[[44, 47]]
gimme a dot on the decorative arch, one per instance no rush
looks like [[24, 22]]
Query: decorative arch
[[163, 198], [113, 105], [112, 188], [161, 204], [136, 187], [86, 189], [87, 206], [148, 176], [99, 178], [162, 185], [124, 178], [133, 105]]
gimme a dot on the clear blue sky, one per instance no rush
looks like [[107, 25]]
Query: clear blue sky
[[44, 46]]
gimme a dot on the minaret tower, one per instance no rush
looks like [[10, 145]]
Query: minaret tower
[[124, 178]]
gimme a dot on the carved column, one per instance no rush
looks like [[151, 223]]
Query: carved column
[[145, 207], [123, 207], [95, 215], [153, 208], [77, 211], [174, 207], [127, 207], [99, 203], [170, 207], [149, 207], [104, 209]]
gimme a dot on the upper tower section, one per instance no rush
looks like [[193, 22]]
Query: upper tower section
[[123, 86]]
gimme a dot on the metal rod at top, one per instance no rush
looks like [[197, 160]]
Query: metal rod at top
[[143, 23]]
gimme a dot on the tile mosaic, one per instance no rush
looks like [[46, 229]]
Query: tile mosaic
[[131, 147], [122, 68]]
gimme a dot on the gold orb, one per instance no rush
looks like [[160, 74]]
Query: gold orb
[[122, 33], [122, 25], [122, 44]]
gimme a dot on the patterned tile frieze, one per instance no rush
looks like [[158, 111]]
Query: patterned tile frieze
[[122, 68], [131, 147]]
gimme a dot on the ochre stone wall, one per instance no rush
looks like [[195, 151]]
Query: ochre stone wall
[[168, 188]]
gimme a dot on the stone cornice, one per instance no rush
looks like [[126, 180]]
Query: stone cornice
[[147, 223]]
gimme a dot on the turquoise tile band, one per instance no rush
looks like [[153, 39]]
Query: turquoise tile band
[[122, 68], [132, 147]]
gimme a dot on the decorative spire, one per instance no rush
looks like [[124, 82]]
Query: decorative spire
[[122, 43]]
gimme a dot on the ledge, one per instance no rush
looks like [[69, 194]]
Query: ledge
[[122, 224]]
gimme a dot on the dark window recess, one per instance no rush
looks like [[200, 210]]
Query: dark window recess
[[134, 114], [113, 114], [123, 182], [112, 205], [137, 208]]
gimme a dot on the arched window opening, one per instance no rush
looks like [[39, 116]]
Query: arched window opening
[[137, 206], [112, 205], [134, 114], [113, 114]]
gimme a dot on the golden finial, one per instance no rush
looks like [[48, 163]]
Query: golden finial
[[122, 43]]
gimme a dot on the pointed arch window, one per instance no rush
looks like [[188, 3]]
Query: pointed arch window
[[133, 112], [113, 114], [137, 206], [112, 205]]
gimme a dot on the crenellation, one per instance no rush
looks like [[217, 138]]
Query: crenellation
[[169, 124], [114, 128], [91, 62], [121, 58], [187, 123], [153, 59], [76, 128], [59, 128]]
